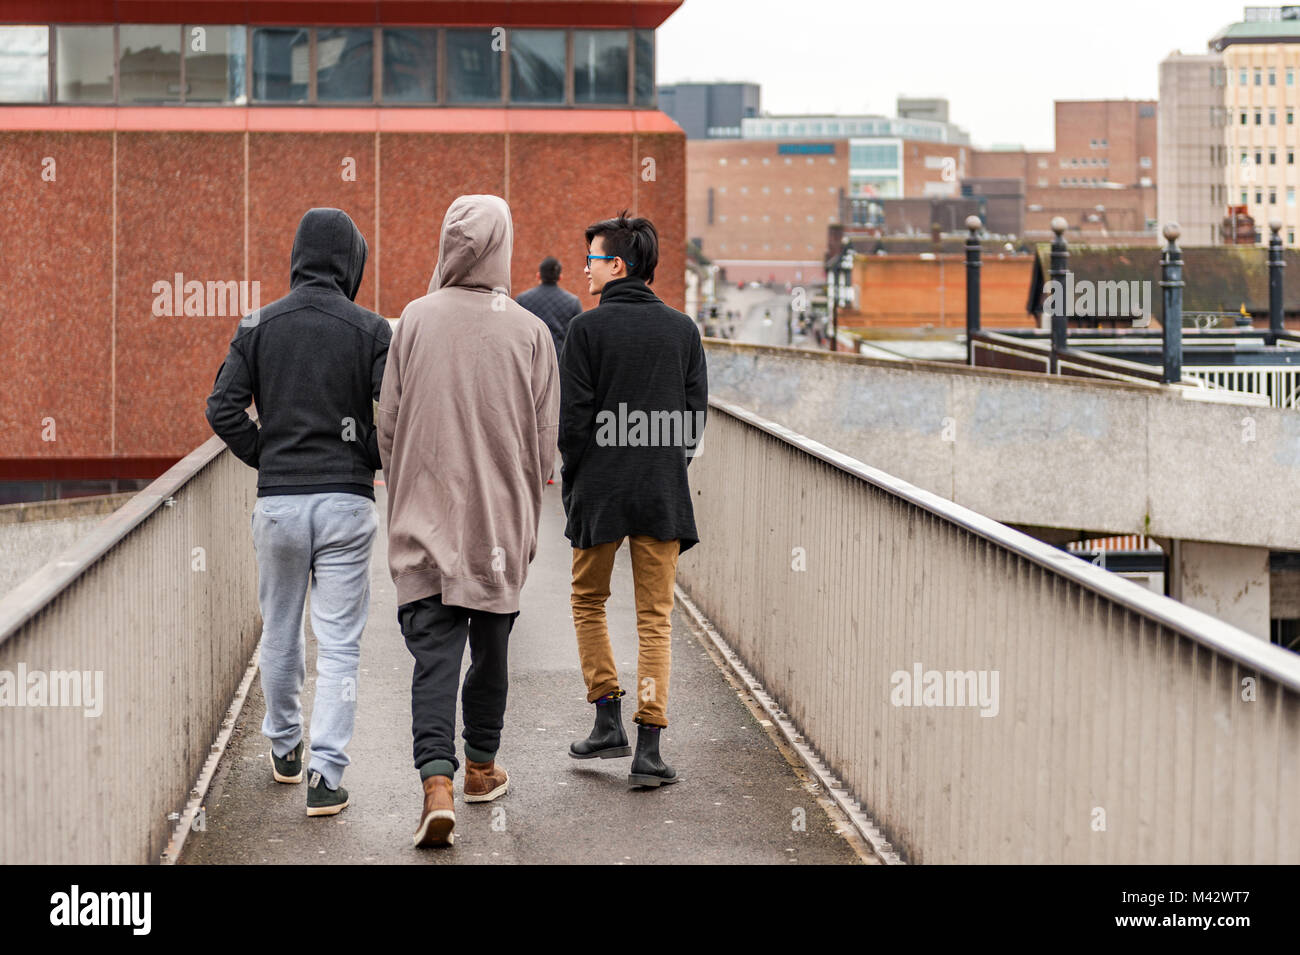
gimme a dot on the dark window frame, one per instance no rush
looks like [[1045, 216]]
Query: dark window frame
[[440, 99]]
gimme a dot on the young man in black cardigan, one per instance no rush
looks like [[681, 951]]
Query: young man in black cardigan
[[633, 398]]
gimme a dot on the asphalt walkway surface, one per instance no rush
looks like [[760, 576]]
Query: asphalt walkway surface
[[741, 799]]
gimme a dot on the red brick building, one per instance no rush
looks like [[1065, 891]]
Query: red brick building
[[135, 158], [760, 207], [1101, 176]]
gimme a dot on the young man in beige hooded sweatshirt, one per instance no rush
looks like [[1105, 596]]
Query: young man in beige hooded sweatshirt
[[467, 425]]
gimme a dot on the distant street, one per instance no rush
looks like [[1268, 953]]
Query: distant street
[[763, 315]]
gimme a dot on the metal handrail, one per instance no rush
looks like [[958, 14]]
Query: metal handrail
[[1201, 627], [36, 591]]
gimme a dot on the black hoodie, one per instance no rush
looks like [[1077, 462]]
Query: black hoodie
[[312, 362]]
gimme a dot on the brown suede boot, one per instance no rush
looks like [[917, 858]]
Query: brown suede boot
[[485, 781], [439, 815]]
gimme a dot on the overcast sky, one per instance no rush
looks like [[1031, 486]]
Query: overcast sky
[[1000, 63]]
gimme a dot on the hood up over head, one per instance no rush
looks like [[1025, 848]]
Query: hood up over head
[[329, 252], [475, 246]]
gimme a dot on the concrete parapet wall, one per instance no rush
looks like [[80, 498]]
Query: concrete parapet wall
[[1032, 450]]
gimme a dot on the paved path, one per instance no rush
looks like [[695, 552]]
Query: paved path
[[739, 801]]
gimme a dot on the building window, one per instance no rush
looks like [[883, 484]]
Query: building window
[[1272, 157], [1259, 77], [1259, 196], [873, 156], [410, 66], [537, 66], [1290, 195], [1290, 117], [84, 58], [474, 67], [1272, 117], [1259, 158], [645, 68], [345, 65], [1146, 112], [1272, 196], [1290, 157], [1290, 76], [1243, 117], [216, 73], [25, 64], [1145, 162], [1290, 236], [1244, 199], [280, 64], [1259, 118], [149, 64], [1104, 144], [600, 66], [1272, 76]]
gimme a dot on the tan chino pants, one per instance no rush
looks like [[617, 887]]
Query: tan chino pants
[[654, 571]]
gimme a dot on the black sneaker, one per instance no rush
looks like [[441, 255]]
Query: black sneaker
[[323, 801], [287, 769]]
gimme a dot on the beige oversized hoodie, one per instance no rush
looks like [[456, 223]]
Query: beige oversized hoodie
[[467, 422]]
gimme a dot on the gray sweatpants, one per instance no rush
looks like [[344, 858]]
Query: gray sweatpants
[[327, 537]]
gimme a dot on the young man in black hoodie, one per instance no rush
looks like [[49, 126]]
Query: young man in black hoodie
[[312, 362], [633, 397]]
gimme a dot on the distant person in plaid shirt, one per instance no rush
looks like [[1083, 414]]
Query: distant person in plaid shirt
[[552, 304]]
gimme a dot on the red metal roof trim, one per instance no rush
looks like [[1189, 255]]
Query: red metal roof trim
[[641, 14]]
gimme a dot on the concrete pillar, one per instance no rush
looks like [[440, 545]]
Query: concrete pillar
[[1224, 580]]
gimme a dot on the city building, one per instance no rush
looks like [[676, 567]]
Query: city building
[[1261, 58], [932, 108], [176, 147], [760, 206], [1101, 176], [710, 110], [759, 210], [1191, 150]]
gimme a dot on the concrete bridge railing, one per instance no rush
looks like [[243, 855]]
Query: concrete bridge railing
[[985, 696], [1036, 450], [118, 661]]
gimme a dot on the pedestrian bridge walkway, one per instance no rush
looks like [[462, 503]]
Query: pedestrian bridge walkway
[[960, 691], [738, 802]]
